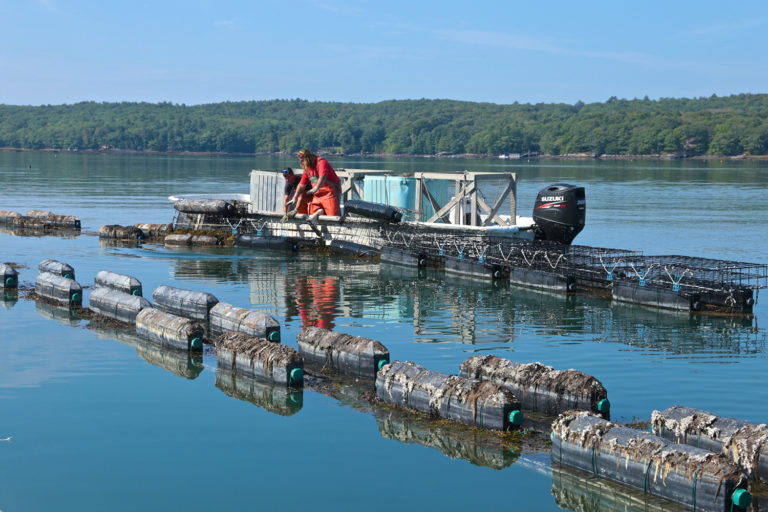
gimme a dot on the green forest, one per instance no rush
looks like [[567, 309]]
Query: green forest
[[732, 125]]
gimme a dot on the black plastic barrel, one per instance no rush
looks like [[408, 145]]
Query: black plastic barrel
[[375, 211], [683, 474], [559, 213], [226, 317], [478, 403], [9, 276], [59, 289], [124, 283], [56, 267], [117, 304], [186, 303], [353, 355], [260, 359]]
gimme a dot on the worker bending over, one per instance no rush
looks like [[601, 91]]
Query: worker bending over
[[324, 195]]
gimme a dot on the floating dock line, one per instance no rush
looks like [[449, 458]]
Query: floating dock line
[[7, 217], [479, 448], [169, 330], [540, 387], [353, 355], [56, 267], [121, 282], [481, 404], [474, 268], [59, 289], [402, 257], [354, 249], [217, 206], [281, 400], [117, 304], [152, 231], [375, 211], [9, 276], [683, 474], [183, 239], [58, 221], [260, 359], [226, 317], [746, 443], [188, 365], [118, 232], [541, 280], [267, 242], [186, 303], [655, 297]]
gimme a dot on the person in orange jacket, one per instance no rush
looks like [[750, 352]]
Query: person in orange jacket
[[326, 187]]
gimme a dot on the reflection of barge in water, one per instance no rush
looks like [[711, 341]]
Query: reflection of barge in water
[[447, 223]]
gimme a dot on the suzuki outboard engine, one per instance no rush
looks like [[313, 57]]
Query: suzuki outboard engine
[[559, 213]]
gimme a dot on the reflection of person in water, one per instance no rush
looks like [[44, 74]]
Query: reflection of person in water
[[316, 300]]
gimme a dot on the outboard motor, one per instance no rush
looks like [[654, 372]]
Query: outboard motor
[[559, 213]]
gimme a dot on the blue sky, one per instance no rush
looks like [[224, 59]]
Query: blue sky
[[201, 51]]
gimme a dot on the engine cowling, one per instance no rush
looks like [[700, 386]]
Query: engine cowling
[[559, 213]]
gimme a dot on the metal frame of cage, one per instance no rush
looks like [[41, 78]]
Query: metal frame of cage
[[690, 273]]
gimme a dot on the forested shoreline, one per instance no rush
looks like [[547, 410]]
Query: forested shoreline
[[728, 126]]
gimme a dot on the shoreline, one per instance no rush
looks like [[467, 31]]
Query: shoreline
[[569, 156]]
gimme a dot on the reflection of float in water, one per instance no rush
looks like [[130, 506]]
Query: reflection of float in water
[[473, 445], [183, 363], [582, 492], [273, 398], [63, 314], [10, 297]]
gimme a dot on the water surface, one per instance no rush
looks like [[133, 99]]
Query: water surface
[[99, 420]]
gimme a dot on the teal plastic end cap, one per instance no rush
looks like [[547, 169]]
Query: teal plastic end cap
[[9, 281], [75, 297], [516, 417], [136, 292], [68, 275], [274, 336], [196, 343], [297, 375], [382, 363], [604, 405], [741, 498]]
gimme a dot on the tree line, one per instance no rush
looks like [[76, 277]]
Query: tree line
[[731, 125]]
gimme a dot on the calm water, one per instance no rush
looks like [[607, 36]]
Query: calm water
[[100, 422]]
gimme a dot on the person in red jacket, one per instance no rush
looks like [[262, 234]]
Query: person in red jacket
[[326, 187]]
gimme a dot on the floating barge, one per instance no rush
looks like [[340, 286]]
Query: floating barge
[[448, 222]]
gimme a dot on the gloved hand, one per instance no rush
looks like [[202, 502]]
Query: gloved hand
[[290, 203], [291, 214], [312, 191]]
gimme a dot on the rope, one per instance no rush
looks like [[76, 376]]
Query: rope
[[511, 250], [560, 257], [676, 280], [645, 479]]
